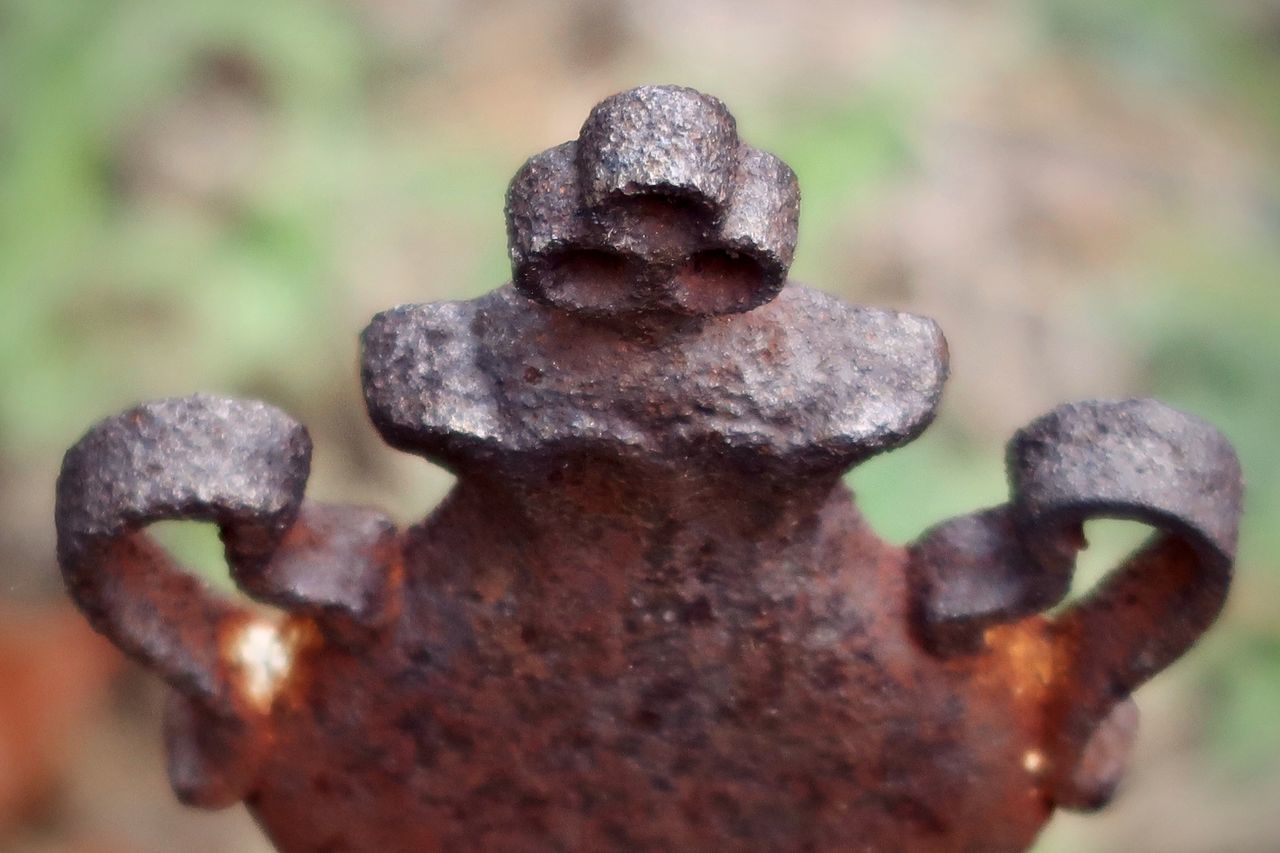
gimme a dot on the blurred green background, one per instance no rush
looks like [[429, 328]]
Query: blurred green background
[[217, 196]]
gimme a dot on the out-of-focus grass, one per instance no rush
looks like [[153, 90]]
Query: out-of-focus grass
[[104, 296], [1223, 50]]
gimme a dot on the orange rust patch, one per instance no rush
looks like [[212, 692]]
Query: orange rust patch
[[1024, 660], [261, 654]]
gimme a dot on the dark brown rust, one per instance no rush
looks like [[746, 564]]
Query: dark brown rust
[[649, 615]]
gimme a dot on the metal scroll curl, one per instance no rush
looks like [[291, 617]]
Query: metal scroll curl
[[241, 464], [1132, 459]]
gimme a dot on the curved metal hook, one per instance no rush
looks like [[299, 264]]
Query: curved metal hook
[[1131, 459], [241, 464]]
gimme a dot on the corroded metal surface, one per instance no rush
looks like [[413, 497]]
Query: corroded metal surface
[[656, 207], [649, 616]]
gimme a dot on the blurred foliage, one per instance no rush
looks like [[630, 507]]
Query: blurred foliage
[[118, 282], [1228, 48], [80, 75]]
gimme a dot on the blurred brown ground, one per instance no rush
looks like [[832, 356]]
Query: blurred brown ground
[[200, 196]]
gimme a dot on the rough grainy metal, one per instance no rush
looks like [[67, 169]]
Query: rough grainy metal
[[649, 615], [656, 207], [241, 464]]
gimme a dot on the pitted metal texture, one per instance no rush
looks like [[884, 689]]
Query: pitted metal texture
[[656, 207], [649, 615]]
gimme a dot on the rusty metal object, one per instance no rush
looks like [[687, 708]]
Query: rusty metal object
[[649, 615]]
